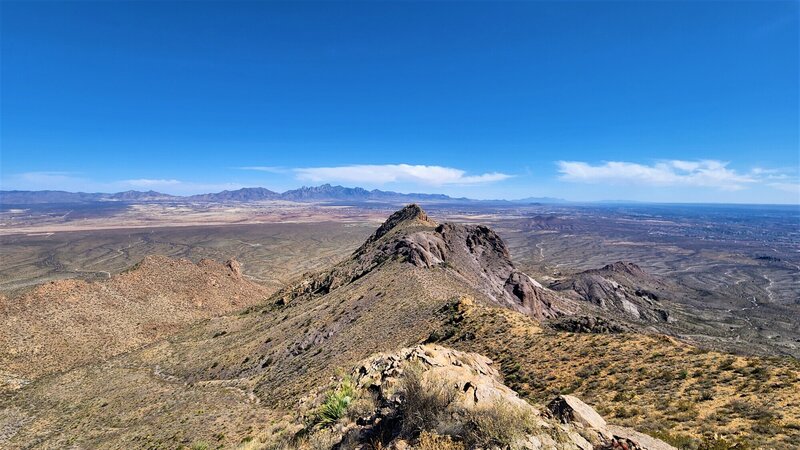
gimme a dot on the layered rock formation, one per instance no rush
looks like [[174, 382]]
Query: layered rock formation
[[621, 288]]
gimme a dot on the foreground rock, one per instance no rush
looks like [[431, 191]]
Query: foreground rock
[[568, 409], [432, 395]]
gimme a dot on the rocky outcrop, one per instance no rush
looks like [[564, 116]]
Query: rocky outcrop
[[572, 411], [621, 288], [475, 380], [460, 397], [474, 254], [235, 267], [409, 215], [434, 389]]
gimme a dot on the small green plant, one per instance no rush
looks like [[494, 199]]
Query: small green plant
[[336, 403]]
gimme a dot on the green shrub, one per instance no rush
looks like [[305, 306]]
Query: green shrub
[[336, 403]]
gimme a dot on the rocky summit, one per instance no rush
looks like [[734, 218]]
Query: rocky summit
[[621, 288], [427, 336], [473, 255]]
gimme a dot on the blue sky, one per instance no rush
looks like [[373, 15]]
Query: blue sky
[[650, 101]]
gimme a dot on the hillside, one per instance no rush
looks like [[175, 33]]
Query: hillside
[[263, 377], [650, 382], [66, 323]]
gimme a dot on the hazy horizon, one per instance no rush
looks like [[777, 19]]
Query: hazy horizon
[[555, 200]]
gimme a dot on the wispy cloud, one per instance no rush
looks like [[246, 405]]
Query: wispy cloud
[[46, 177], [70, 181], [793, 188], [703, 173], [149, 183], [396, 173], [270, 169]]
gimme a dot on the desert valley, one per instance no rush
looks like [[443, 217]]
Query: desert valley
[[218, 323]]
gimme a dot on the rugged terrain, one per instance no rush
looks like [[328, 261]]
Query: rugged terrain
[[729, 273], [261, 377], [67, 323]]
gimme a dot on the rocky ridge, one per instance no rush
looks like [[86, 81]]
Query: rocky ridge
[[473, 253], [237, 379], [468, 395], [622, 289]]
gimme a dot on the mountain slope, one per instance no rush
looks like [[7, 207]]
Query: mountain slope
[[239, 195], [688, 396], [472, 254], [66, 323]]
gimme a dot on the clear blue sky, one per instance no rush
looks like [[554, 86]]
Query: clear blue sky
[[658, 101]]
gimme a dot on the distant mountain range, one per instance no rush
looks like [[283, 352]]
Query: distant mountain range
[[323, 193]]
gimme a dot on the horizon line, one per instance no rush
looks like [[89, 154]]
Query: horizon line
[[554, 200]]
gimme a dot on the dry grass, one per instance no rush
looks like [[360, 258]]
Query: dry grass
[[427, 414], [424, 405], [499, 425], [649, 382], [432, 441]]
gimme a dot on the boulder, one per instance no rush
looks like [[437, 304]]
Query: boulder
[[636, 440], [571, 410], [235, 267]]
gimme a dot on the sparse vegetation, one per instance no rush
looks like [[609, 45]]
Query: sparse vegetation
[[336, 403], [244, 373], [650, 394], [500, 425], [424, 405], [433, 441]]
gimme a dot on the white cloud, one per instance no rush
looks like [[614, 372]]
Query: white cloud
[[149, 183], [395, 173], [271, 169], [702, 173], [45, 180], [793, 188]]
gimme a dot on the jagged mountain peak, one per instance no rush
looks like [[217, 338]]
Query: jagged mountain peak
[[474, 255], [411, 214]]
